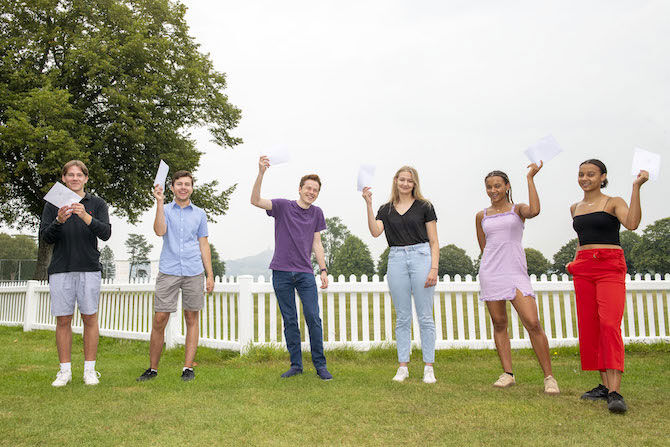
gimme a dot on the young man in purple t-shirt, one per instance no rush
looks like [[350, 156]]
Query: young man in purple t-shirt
[[297, 233]]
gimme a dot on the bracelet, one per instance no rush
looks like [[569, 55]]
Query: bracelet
[[434, 268]]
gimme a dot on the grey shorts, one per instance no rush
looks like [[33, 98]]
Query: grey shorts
[[167, 292], [69, 288]]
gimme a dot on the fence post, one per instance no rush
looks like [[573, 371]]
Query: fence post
[[30, 306], [245, 307], [173, 329]]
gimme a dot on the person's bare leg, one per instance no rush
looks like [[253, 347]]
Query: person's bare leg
[[91, 336], [603, 378], [527, 309], [613, 380], [498, 312], [192, 336], [157, 337], [64, 338]]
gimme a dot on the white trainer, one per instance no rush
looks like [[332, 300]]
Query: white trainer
[[91, 377], [429, 375], [504, 381], [401, 374], [62, 378]]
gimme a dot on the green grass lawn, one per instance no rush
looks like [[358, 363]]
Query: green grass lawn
[[242, 401]]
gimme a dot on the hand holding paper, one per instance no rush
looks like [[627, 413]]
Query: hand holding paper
[[161, 175], [60, 195], [646, 161], [366, 176], [544, 150]]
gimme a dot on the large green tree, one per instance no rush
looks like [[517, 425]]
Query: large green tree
[[352, 258], [564, 255], [218, 264], [117, 84], [382, 263], [107, 262], [652, 253], [629, 240], [537, 263], [454, 261], [138, 254], [332, 239]]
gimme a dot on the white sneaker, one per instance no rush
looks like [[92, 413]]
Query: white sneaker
[[401, 374], [429, 375], [91, 377], [62, 378], [504, 381]]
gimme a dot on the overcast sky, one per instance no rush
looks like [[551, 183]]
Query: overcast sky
[[454, 88]]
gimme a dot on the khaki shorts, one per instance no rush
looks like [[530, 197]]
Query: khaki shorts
[[167, 292]]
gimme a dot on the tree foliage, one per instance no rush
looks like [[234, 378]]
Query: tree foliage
[[218, 264], [564, 256], [107, 262], [138, 254], [652, 253], [537, 263], [352, 258], [17, 257], [114, 83], [382, 264], [454, 261], [629, 240], [332, 239]]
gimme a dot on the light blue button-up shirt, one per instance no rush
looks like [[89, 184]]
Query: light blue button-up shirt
[[181, 249]]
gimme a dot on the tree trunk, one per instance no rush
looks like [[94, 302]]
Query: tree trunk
[[44, 252]]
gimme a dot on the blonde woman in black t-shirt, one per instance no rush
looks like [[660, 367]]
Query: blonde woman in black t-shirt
[[410, 224]]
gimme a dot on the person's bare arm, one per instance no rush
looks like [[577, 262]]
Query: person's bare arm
[[206, 254], [431, 229], [533, 208], [376, 227], [317, 248], [256, 199], [160, 227], [481, 237], [630, 217]]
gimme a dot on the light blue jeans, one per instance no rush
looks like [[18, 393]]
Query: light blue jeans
[[408, 268]]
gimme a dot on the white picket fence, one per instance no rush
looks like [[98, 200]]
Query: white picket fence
[[241, 312]]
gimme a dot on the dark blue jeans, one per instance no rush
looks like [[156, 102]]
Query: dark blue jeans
[[285, 285]]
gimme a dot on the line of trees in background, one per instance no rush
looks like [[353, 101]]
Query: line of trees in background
[[346, 254]]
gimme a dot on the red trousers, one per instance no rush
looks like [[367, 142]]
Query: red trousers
[[599, 276]]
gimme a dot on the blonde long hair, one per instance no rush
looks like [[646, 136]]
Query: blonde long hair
[[416, 191]]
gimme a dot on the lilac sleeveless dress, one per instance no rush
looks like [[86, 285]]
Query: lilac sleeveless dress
[[503, 266]]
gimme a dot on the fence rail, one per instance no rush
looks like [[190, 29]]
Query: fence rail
[[243, 312]]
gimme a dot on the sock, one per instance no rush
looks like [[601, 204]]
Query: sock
[[66, 367], [89, 365], [186, 367], [511, 374]]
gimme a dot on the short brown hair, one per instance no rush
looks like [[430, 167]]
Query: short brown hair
[[77, 163], [180, 174], [310, 177]]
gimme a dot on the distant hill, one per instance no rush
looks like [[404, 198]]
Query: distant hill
[[251, 265]]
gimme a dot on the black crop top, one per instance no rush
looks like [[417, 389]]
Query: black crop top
[[599, 227]]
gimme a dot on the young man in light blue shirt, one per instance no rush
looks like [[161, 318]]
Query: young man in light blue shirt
[[184, 260]]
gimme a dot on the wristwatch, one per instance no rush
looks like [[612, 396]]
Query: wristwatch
[[324, 270]]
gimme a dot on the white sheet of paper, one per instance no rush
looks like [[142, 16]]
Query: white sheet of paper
[[278, 154], [161, 175], [60, 196], [545, 149], [366, 176], [649, 161]]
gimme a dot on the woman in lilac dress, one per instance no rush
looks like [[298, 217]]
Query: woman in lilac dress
[[503, 274]]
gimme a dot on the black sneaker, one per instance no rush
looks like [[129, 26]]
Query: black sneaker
[[187, 375], [147, 375], [292, 372], [324, 374], [597, 393], [615, 403]]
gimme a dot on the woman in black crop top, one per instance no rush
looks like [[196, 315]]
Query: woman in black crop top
[[599, 276], [410, 224]]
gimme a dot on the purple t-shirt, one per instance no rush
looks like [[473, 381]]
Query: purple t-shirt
[[294, 234]]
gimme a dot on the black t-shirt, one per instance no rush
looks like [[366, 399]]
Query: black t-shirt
[[409, 228], [75, 243]]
